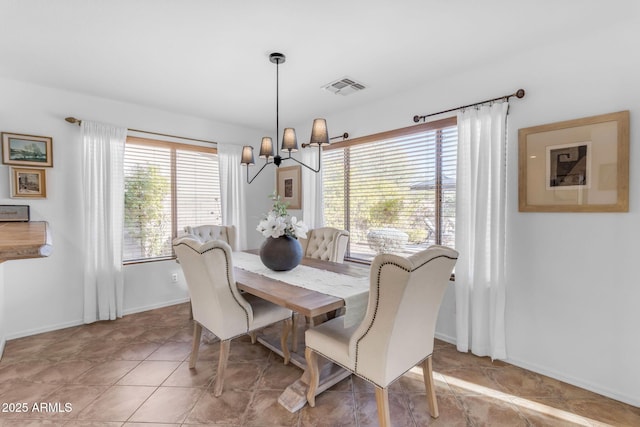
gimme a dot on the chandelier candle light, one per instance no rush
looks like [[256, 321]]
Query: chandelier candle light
[[319, 136]]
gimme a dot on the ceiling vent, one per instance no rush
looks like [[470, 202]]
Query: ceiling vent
[[345, 86]]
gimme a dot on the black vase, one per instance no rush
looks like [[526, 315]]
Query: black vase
[[281, 254]]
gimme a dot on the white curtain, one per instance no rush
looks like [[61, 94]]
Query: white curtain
[[480, 230], [312, 201], [232, 192], [103, 209]]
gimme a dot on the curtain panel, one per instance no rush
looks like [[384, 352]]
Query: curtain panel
[[232, 191], [480, 230], [312, 200], [103, 217]]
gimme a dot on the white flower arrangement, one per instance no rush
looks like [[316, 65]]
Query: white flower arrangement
[[279, 223]]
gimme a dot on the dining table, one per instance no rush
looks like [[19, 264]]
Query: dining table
[[316, 290]]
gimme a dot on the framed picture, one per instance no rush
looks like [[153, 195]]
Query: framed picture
[[289, 186], [575, 166], [28, 183], [27, 150], [14, 213]]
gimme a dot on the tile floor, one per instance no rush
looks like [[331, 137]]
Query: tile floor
[[133, 372]]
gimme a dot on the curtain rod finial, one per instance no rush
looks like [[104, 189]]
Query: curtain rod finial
[[520, 93], [73, 120]]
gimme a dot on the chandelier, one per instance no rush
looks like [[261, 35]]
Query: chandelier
[[319, 136]]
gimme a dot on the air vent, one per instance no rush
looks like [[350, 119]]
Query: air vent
[[345, 86]]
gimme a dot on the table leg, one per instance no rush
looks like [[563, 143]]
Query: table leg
[[294, 397]]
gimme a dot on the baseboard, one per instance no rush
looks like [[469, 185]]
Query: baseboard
[[44, 329], [631, 400], [140, 309], [446, 338], [79, 322]]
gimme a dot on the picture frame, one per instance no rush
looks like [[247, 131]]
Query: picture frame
[[27, 150], [579, 165], [14, 213], [29, 183], [289, 186]]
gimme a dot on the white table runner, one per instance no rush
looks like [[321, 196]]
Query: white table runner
[[354, 290]]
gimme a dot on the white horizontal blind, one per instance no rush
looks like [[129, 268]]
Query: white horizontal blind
[[197, 189], [395, 194], [166, 188], [147, 180], [333, 189]]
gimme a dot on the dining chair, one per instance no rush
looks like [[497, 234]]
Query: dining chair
[[397, 332], [204, 233], [325, 243], [217, 303]]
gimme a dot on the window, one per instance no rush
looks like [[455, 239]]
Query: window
[[394, 191], [167, 186]]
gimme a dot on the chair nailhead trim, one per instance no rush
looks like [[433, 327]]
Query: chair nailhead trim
[[246, 313], [375, 311]]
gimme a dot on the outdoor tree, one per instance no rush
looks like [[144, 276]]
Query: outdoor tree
[[145, 192]]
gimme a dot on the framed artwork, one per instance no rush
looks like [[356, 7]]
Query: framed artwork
[[14, 213], [577, 165], [28, 183], [289, 186], [27, 150]]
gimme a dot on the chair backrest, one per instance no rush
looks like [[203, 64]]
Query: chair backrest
[[204, 233], [215, 300], [325, 243], [399, 326]]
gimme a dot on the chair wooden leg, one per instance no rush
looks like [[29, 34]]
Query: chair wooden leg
[[314, 375], [195, 347], [382, 401], [222, 367], [427, 373], [254, 336], [284, 338], [294, 331]]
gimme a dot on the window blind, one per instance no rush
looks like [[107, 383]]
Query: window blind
[[166, 188], [398, 190]]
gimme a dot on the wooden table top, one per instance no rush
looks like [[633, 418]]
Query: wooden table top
[[304, 301], [20, 240]]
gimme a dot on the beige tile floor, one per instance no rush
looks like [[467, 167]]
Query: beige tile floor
[[133, 372]]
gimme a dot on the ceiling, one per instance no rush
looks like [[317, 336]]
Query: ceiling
[[209, 58]]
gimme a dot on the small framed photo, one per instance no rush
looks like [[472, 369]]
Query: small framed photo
[[289, 186], [28, 183], [14, 213], [577, 165], [27, 150]]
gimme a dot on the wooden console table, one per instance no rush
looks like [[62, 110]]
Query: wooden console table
[[21, 240]]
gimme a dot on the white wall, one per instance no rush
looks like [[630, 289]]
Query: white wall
[[573, 290], [45, 294]]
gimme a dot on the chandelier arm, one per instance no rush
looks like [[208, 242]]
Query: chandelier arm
[[289, 141], [257, 173], [305, 165]]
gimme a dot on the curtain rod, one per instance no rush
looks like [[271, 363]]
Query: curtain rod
[[519, 94], [73, 120]]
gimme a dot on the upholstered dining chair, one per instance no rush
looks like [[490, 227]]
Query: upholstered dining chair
[[204, 233], [397, 332], [325, 243], [218, 305]]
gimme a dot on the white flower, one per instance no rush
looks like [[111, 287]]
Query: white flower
[[299, 228], [279, 223]]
